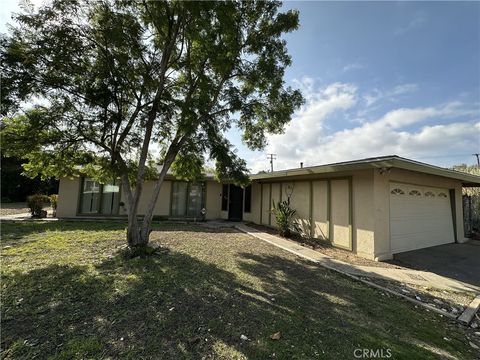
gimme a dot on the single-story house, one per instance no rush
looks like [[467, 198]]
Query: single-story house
[[374, 207]]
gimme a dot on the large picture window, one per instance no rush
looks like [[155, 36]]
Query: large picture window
[[96, 198], [187, 199]]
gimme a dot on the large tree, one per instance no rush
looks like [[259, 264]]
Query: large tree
[[90, 85]]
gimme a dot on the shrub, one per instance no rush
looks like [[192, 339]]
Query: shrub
[[285, 217], [36, 203], [53, 202]]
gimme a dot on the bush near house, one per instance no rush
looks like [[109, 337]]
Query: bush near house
[[53, 203], [36, 203], [286, 218]]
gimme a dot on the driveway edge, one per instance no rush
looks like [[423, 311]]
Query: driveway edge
[[470, 311]]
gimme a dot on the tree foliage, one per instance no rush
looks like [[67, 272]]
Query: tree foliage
[[110, 78], [473, 170]]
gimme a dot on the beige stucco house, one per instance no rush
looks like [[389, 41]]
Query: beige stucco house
[[374, 207]]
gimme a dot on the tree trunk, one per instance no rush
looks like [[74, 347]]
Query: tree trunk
[[133, 229], [136, 236], [148, 218]]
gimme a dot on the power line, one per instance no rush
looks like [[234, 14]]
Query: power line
[[271, 157]]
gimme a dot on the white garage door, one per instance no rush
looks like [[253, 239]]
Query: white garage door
[[420, 217]]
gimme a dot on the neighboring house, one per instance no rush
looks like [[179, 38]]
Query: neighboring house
[[375, 207]]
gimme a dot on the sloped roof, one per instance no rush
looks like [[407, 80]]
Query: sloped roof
[[390, 161]]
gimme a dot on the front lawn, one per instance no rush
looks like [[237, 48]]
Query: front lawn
[[67, 293]]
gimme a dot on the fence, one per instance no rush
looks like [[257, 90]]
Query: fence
[[471, 215]]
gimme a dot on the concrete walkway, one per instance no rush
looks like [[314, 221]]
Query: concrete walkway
[[25, 217], [421, 278], [22, 216]]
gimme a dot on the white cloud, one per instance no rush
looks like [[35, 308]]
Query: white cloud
[[407, 132], [351, 67], [308, 123], [417, 20], [392, 94]]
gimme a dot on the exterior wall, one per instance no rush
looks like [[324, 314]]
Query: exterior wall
[[325, 205], [300, 200], [363, 222], [265, 204], [213, 200], [162, 207], [340, 208], [68, 196], [254, 214], [382, 204], [313, 199], [320, 209], [275, 197], [370, 206]]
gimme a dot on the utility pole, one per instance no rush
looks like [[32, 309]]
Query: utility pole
[[478, 159], [271, 157]]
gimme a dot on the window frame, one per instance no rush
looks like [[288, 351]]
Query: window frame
[[100, 198], [187, 197]]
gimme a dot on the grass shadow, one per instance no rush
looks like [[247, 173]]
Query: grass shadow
[[193, 302]]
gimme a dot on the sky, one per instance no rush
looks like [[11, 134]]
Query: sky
[[379, 78]]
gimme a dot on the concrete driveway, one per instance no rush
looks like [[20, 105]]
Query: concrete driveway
[[456, 261]]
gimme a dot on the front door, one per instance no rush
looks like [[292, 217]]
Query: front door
[[235, 208]]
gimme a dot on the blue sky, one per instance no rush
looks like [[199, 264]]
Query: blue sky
[[382, 78], [379, 78]]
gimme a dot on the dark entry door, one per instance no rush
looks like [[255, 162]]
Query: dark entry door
[[235, 209]]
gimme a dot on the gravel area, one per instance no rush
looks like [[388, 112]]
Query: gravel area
[[448, 301]]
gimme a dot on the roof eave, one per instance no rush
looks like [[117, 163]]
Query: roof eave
[[468, 180]]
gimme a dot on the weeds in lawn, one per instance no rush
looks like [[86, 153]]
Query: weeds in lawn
[[69, 292]]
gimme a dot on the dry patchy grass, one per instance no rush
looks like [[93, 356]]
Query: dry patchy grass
[[68, 293]]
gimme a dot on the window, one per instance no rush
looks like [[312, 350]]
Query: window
[[187, 199], [397, 191], [195, 200], [110, 198], [429, 194], [90, 197], [179, 198], [415, 193], [248, 199], [225, 197], [96, 198]]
